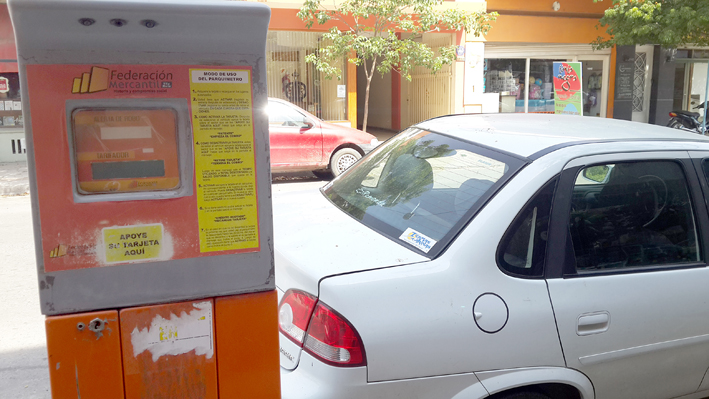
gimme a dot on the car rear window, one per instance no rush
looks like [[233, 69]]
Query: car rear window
[[420, 188]]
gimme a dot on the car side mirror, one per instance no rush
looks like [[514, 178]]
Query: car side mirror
[[307, 125], [597, 174]]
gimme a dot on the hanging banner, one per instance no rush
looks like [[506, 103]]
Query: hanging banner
[[568, 97]]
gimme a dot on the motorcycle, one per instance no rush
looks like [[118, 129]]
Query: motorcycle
[[687, 120]]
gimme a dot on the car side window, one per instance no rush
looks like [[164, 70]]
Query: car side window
[[282, 115], [639, 214], [523, 248]]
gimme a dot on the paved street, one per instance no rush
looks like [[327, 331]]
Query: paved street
[[24, 372]]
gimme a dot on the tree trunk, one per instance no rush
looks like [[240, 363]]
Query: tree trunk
[[369, 75], [366, 105]]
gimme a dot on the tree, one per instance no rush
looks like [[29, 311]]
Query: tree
[[669, 23], [371, 35]]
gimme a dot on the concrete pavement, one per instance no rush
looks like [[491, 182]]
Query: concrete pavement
[[24, 371], [14, 179]]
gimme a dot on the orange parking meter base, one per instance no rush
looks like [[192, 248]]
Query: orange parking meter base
[[84, 353], [247, 338], [168, 351]]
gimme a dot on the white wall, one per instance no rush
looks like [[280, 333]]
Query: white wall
[[7, 136]]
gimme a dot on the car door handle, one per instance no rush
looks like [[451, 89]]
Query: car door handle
[[593, 323]]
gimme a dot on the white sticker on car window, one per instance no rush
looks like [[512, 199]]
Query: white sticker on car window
[[418, 240]]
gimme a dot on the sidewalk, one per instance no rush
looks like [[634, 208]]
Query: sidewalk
[[14, 179], [381, 134]]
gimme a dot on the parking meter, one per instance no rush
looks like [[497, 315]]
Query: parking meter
[[150, 190]]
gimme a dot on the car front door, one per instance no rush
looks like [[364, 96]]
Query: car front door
[[627, 274], [296, 140]]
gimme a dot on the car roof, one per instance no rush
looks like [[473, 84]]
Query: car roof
[[533, 135]]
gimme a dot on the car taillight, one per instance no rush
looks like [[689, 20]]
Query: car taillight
[[672, 114], [320, 330], [333, 339], [294, 314]]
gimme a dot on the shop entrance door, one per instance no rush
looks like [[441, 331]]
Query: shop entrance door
[[690, 80], [697, 85], [594, 82], [642, 82]]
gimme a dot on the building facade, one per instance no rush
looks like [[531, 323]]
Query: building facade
[[509, 70], [12, 137]]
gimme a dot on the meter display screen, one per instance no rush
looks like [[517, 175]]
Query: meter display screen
[[127, 170], [125, 150]]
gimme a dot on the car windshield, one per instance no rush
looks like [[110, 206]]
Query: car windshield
[[420, 188]]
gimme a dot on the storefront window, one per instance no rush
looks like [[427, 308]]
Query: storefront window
[[508, 78], [10, 104], [505, 76], [541, 86], [292, 79]]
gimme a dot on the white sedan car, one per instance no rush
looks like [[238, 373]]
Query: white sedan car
[[504, 256]]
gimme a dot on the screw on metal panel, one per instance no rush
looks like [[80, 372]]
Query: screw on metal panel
[[97, 325], [118, 22], [80, 326], [87, 21], [148, 23]]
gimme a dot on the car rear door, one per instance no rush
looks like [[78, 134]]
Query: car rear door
[[700, 159], [296, 140], [627, 274]]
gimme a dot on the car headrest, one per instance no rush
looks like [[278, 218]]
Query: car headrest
[[409, 176], [469, 192]]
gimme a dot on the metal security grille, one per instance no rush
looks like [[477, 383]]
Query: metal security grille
[[292, 79], [429, 95], [639, 81], [18, 146]]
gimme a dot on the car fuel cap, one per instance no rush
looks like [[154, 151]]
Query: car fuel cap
[[490, 313]]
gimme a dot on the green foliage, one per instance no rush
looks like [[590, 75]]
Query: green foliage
[[596, 173], [370, 34], [369, 38], [670, 23]]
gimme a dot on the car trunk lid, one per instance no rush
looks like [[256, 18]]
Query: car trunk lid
[[315, 240]]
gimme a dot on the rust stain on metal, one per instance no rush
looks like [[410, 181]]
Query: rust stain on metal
[[76, 373]]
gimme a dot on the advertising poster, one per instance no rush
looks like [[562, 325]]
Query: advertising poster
[[568, 97]]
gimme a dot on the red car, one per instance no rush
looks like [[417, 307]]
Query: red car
[[300, 141]]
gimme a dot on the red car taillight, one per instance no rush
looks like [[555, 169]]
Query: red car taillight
[[672, 114], [294, 314], [333, 339], [319, 330]]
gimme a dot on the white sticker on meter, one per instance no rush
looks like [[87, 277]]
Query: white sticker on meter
[[220, 76], [418, 240], [177, 335]]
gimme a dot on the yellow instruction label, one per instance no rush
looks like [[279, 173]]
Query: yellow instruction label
[[225, 165], [131, 243]]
